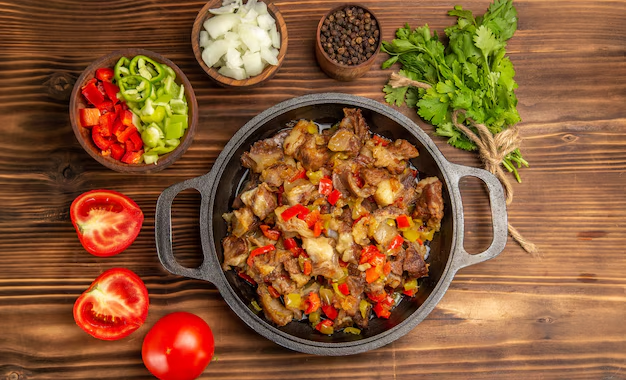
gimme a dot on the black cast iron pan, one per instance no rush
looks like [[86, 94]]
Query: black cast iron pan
[[218, 188]]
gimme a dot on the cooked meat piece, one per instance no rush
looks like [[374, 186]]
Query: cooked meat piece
[[414, 264], [261, 200], [235, 252], [250, 184], [375, 288], [284, 285], [350, 304], [273, 308], [353, 120], [296, 137], [343, 320], [323, 257], [360, 321], [429, 205], [262, 154], [361, 192], [345, 141], [374, 176], [388, 212], [242, 221], [397, 263], [384, 159], [388, 191], [356, 283], [402, 149], [340, 182], [277, 174], [312, 155], [300, 191]]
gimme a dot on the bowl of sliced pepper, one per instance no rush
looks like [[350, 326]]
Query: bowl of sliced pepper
[[134, 110]]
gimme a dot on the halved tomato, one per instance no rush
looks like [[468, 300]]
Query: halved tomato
[[115, 305], [107, 222]]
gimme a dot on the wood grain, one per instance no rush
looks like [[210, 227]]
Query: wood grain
[[559, 316]]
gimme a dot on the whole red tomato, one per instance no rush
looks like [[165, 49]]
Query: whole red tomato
[[178, 347]]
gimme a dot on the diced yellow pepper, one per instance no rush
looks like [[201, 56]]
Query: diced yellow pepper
[[352, 330], [410, 285], [293, 300], [363, 306]]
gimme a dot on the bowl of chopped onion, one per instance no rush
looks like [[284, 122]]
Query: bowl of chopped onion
[[239, 44]]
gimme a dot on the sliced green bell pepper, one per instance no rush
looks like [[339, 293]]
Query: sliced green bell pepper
[[135, 88], [147, 68]]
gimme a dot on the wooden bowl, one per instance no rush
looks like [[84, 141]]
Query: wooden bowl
[[77, 101], [340, 71], [225, 81]]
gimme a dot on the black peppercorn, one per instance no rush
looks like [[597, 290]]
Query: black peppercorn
[[350, 35]]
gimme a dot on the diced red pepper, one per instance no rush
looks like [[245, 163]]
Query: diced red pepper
[[298, 175], [89, 117], [126, 117], [380, 140], [310, 217], [403, 221], [317, 228], [247, 278], [307, 267], [101, 141], [325, 323], [135, 138], [330, 311], [395, 243], [117, 126], [387, 268], [111, 89], [297, 210], [344, 289], [106, 123], [259, 251], [104, 74], [381, 311], [377, 259], [312, 303], [117, 151], [106, 106], [367, 253], [290, 243], [124, 135], [371, 275], [334, 197], [269, 233], [132, 157], [377, 297], [92, 94], [273, 292], [325, 186], [409, 293]]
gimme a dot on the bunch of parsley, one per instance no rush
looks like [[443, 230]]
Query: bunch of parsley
[[471, 73]]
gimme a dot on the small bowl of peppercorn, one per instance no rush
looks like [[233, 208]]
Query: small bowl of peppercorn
[[348, 39]]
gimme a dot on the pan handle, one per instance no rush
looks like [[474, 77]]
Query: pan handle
[[498, 215], [163, 230]]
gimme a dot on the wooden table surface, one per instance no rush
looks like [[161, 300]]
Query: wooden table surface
[[561, 315]]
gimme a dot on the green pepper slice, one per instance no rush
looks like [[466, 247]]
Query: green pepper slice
[[147, 68], [135, 88], [121, 68]]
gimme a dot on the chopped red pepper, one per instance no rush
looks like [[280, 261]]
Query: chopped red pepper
[[297, 210], [395, 243], [269, 233], [380, 140], [325, 186], [135, 138], [89, 117], [273, 292], [99, 139], [104, 74], [368, 253], [403, 221], [312, 303], [371, 275], [290, 243], [344, 289], [409, 293], [310, 218], [298, 175], [381, 311], [132, 157], [126, 117], [117, 151], [93, 95], [106, 123], [387, 268], [247, 278], [124, 135], [334, 197], [111, 90], [106, 106], [326, 323], [259, 251], [307, 267], [377, 297], [317, 228], [330, 311]]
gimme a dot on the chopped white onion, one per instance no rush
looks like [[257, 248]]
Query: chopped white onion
[[240, 39]]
